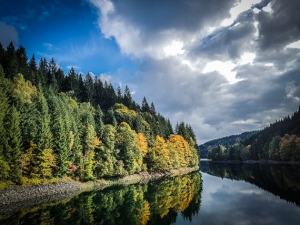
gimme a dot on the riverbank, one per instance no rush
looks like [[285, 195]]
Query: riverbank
[[258, 162], [16, 198]]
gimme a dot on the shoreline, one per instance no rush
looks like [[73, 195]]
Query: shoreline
[[270, 162], [16, 198]]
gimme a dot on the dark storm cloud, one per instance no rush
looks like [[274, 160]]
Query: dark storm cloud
[[262, 4], [239, 96], [282, 26], [226, 43], [184, 15]]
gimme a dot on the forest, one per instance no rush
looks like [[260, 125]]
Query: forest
[[55, 125], [279, 141], [229, 140]]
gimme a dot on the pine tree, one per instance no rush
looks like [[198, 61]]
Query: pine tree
[[119, 95], [152, 109], [10, 64], [145, 105], [82, 94], [2, 54], [44, 135], [99, 121], [89, 86], [127, 97], [4, 112], [87, 166], [32, 76], [42, 72], [60, 134], [22, 62], [13, 146]]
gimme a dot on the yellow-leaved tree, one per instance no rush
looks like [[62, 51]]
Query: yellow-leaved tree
[[23, 90], [142, 146], [159, 155]]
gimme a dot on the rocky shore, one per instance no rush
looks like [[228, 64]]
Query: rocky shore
[[16, 198]]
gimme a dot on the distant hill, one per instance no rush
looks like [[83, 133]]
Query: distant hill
[[280, 141], [229, 140]]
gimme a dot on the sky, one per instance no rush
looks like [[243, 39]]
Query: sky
[[224, 67]]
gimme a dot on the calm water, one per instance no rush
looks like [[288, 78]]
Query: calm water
[[219, 194]]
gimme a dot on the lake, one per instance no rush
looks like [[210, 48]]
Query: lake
[[219, 194]]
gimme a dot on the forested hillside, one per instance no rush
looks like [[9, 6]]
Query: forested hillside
[[69, 125], [280, 141], [225, 141]]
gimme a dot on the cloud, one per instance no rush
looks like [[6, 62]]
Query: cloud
[[221, 78], [145, 28], [291, 89], [280, 27], [8, 33]]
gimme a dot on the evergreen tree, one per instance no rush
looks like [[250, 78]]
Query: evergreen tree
[[10, 64], [138, 124], [23, 62], [59, 77], [152, 109], [119, 95], [2, 54], [44, 135], [42, 72], [32, 76], [13, 146], [60, 134], [4, 113], [145, 105], [89, 86], [99, 121], [87, 166], [127, 100], [82, 94]]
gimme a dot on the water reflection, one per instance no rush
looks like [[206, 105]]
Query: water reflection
[[155, 203], [280, 180], [228, 197], [227, 194]]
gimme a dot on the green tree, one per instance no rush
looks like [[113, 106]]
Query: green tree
[[245, 153], [106, 162], [44, 135], [60, 133], [127, 99], [99, 121], [13, 146], [22, 58], [10, 64], [33, 71], [274, 148], [128, 152], [145, 105], [87, 165]]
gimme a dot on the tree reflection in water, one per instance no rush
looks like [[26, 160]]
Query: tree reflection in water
[[280, 180], [154, 203]]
